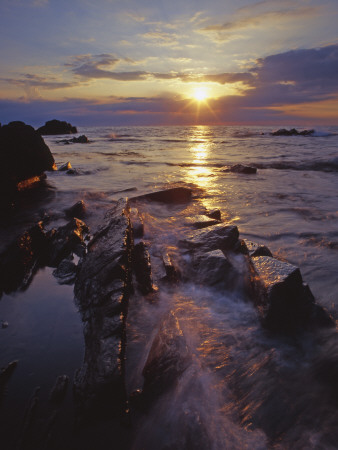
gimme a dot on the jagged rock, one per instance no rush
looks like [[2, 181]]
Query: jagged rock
[[255, 249], [212, 268], [65, 272], [173, 195], [21, 259], [172, 273], [240, 168], [214, 214], [24, 157], [142, 268], [136, 223], [59, 389], [102, 291], [201, 221], [78, 210], [56, 127], [283, 300], [168, 358], [292, 132], [64, 167], [75, 140], [64, 241], [221, 236]]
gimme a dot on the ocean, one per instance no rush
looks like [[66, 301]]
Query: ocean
[[247, 389]]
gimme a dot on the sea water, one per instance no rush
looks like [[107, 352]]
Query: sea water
[[244, 389]]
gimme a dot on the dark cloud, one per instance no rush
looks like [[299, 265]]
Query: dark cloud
[[29, 80]]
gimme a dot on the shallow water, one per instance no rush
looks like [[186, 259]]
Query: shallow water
[[245, 388]]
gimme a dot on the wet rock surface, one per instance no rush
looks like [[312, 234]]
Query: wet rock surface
[[142, 268], [56, 127], [173, 195], [219, 236], [24, 157], [78, 210]]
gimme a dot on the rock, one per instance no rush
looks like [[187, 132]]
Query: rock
[[5, 374], [201, 221], [240, 168], [214, 214], [292, 132], [78, 210], [172, 273], [21, 259], [142, 268], [212, 268], [173, 195], [24, 157], [136, 223], [4, 324], [168, 358], [102, 291], [65, 166], [64, 241], [221, 236], [72, 172], [75, 140], [285, 303], [65, 272], [59, 389], [56, 127], [255, 249]]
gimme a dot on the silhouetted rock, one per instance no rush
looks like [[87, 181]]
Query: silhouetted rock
[[292, 132], [101, 291], [221, 236], [78, 210], [214, 214], [56, 127], [24, 157], [168, 358], [75, 140], [65, 166], [285, 303], [173, 195], [59, 389]]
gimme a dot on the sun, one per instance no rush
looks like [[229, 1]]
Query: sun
[[200, 94]]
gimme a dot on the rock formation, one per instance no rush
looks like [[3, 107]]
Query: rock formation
[[56, 127]]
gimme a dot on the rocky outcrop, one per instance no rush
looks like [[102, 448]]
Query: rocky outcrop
[[220, 236], [102, 292], [24, 157], [75, 140], [240, 168], [285, 303], [292, 132], [56, 127], [173, 195]]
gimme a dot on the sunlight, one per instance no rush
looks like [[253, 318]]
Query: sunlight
[[200, 94]]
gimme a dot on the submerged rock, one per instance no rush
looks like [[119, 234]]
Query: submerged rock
[[168, 358], [283, 300], [56, 127], [173, 195], [24, 157], [102, 291]]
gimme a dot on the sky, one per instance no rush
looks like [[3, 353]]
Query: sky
[[155, 62]]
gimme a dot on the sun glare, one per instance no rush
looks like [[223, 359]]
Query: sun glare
[[200, 94]]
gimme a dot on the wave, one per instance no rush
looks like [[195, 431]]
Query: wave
[[317, 166]]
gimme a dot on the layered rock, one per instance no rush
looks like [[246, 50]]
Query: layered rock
[[56, 127], [24, 157]]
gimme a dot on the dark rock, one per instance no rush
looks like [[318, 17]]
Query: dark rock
[[221, 236], [142, 268], [78, 210], [59, 389], [75, 140], [5, 374], [240, 168], [136, 223], [24, 157], [255, 249], [214, 214], [212, 268], [201, 221], [56, 127], [4, 324], [64, 241], [168, 358], [65, 272], [65, 166], [285, 303], [102, 291], [172, 273], [292, 132], [173, 195], [21, 259], [72, 172]]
